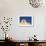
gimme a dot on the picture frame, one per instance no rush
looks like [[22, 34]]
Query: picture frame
[[26, 21]]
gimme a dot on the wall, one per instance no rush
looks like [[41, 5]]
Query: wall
[[45, 29], [16, 8]]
